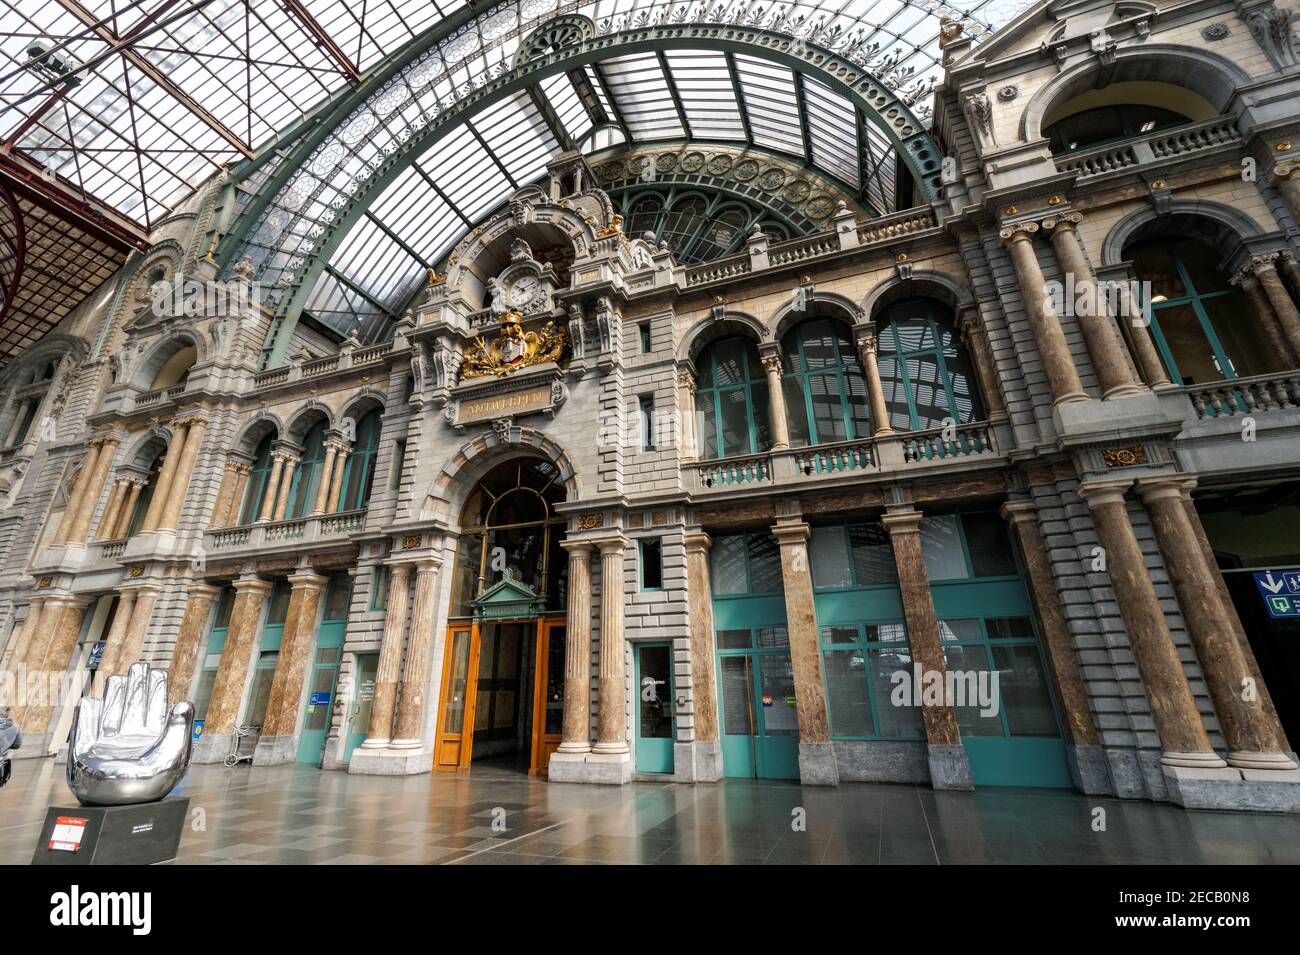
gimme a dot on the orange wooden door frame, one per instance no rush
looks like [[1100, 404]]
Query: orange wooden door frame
[[453, 751], [543, 743]]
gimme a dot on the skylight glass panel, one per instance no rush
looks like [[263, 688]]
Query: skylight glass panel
[[771, 104], [832, 130], [372, 260], [640, 89], [559, 92], [466, 173], [708, 98], [599, 87], [343, 309], [517, 137]]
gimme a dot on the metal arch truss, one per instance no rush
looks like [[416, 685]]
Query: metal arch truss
[[913, 144]]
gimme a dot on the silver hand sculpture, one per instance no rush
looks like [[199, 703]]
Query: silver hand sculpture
[[127, 748]]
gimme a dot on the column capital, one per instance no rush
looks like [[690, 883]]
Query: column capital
[[1018, 232], [427, 565], [307, 580], [1062, 222], [1263, 262], [1105, 491], [252, 585], [1017, 510], [864, 336], [698, 542], [795, 533], [611, 545], [399, 566], [203, 591], [1161, 486], [904, 520], [579, 547], [339, 444], [284, 456], [686, 379], [1287, 169], [770, 355]]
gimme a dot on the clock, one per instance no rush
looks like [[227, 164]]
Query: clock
[[522, 290]]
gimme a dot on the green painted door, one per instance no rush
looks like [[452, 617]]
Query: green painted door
[[655, 695], [323, 675], [358, 728], [760, 729]]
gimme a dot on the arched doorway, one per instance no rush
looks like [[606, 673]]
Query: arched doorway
[[503, 671]]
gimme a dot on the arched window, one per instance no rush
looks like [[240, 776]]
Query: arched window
[[258, 476], [725, 230], [1200, 323], [825, 389], [146, 496], [359, 474], [175, 369], [683, 221], [307, 475], [643, 216], [731, 401], [924, 368]]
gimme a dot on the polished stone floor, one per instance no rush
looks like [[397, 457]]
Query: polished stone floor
[[289, 814]]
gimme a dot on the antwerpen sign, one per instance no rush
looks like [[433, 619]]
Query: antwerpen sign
[[533, 391]]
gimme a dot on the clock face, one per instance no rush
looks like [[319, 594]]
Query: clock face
[[523, 290]]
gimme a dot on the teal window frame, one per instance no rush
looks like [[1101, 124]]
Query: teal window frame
[[890, 345], [709, 396], [30, 407], [795, 372], [259, 476], [307, 475], [644, 332], [146, 496], [646, 414], [644, 562], [749, 540], [359, 472], [1196, 301], [379, 588]]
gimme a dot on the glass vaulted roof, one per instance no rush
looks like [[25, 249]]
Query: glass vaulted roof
[[137, 102]]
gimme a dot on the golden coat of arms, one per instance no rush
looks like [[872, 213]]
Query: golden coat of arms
[[512, 349]]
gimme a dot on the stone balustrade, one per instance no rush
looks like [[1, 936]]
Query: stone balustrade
[[1156, 147], [1244, 396], [275, 535]]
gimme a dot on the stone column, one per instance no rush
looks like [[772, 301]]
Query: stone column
[[1138, 334], [1109, 361], [128, 509], [77, 494], [409, 730], [611, 720], [29, 655], [1279, 348], [184, 471], [690, 449], [111, 510], [116, 638], [133, 644], [276, 744], [704, 690], [1286, 179], [771, 358], [327, 474], [342, 450], [1066, 674], [576, 732], [1177, 721], [185, 654], [270, 492], [286, 485], [64, 629], [971, 328], [1254, 740], [232, 673], [88, 494], [949, 766], [166, 477], [384, 703], [1265, 269], [868, 351], [817, 764], [226, 510], [1058, 363]]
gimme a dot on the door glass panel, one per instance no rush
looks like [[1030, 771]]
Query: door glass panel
[[772, 637], [896, 721], [733, 640], [555, 681], [846, 689], [655, 695], [365, 693], [830, 563], [1241, 340], [1022, 686], [736, 701], [454, 721], [261, 691], [968, 669], [322, 683], [1187, 342], [776, 688], [203, 691]]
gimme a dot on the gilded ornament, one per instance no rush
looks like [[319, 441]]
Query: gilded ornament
[[512, 349]]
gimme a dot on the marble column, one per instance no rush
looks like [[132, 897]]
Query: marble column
[[1058, 363], [1173, 708], [409, 729], [817, 764], [166, 477], [611, 720], [384, 703], [108, 522], [690, 447], [949, 766], [1281, 355], [133, 644], [1137, 332], [286, 485], [576, 731], [127, 512], [1254, 740], [270, 491], [116, 638], [185, 654], [1109, 361], [868, 351], [704, 690], [64, 630], [77, 494], [184, 472], [28, 656], [89, 493], [226, 511], [276, 744], [327, 474], [1288, 317], [1067, 676], [342, 450], [771, 358], [232, 672], [971, 328]]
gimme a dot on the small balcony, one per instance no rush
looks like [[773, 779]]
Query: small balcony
[[1162, 147], [272, 536]]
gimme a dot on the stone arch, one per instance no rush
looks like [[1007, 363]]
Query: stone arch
[[303, 418], [720, 325], [255, 430], [1222, 227], [145, 448], [1213, 76], [820, 305], [53, 347], [161, 263], [361, 404], [174, 340], [919, 283], [457, 478]]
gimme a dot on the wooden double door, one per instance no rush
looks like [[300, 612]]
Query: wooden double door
[[502, 690]]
